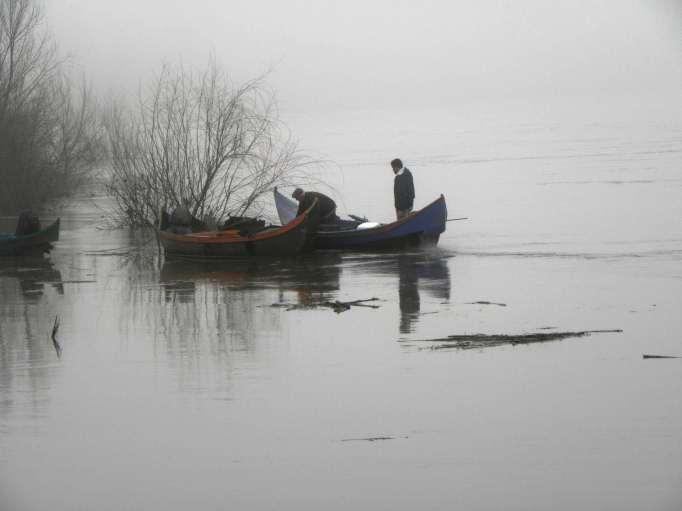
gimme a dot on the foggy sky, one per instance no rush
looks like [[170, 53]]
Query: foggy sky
[[387, 53]]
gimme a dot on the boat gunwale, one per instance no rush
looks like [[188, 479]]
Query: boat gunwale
[[384, 228], [9, 237], [221, 237]]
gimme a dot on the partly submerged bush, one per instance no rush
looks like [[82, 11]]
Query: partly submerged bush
[[195, 136]]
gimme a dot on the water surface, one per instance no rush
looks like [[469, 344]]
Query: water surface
[[181, 385]]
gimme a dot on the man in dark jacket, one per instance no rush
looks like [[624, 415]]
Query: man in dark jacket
[[327, 206], [28, 223], [403, 189]]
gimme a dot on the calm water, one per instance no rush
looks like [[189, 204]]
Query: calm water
[[180, 385]]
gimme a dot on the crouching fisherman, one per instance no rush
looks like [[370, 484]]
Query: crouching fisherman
[[182, 221], [327, 207], [28, 223]]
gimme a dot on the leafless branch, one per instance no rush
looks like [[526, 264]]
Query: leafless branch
[[198, 136], [49, 132]]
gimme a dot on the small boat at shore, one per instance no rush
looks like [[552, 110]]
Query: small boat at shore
[[275, 241], [420, 228], [35, 243]]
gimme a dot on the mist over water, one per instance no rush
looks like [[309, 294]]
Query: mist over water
[[590, 179], [555, 129], [325, 55]]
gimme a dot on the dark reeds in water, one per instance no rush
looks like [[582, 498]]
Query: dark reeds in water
[[490, 340]]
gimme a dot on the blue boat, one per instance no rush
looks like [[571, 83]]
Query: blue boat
[[420, 228], [29, 244]]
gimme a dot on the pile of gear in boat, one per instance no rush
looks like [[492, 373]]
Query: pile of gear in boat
[[182, 221], [28, 223]]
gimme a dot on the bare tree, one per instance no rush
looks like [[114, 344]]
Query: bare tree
[[49, 131], [198, 137]]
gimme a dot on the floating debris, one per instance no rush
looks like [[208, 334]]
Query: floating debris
[[337, 306], [474, 341], [371, 439], [483, 302], [55, 343], [659, 356], [112, 252], [68, 281]]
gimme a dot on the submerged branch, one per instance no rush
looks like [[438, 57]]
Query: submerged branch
[[337, 306], [55, 343]]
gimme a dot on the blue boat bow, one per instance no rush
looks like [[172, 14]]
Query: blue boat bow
[[422, 227]]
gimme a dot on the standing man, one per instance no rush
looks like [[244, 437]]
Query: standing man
[[403, 189]]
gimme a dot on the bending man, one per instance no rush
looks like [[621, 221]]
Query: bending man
[[327, 206]]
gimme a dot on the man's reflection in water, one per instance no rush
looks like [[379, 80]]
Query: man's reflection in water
[[420, 275], [426, 272], [408, 293]]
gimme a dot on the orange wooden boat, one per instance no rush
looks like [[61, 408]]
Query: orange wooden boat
[[290, 239]]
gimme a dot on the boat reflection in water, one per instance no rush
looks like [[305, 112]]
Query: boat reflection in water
[[310, 280], [229, 303], [32, 275], [314, 277]]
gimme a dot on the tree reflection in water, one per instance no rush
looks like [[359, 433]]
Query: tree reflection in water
[[26, 310], [220, 307], [210, 310], [311, 278]]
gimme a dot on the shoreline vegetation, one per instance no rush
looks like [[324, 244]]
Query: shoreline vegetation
[[50, 136], [189, 135]]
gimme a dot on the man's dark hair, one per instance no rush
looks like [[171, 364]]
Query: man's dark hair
[[397, 163]]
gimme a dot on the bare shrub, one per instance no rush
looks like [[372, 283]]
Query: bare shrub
[[49, 131], [198, 137]]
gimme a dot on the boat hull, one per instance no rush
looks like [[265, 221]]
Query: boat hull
[[288, 240], [421, 228], [30, 244]]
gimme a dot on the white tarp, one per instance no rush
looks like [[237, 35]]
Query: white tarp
[[286, 208]]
